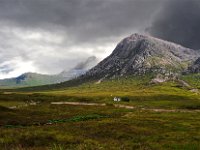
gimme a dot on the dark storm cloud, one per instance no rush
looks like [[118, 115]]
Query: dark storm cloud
[[52, 35], [81, 19], [179, 21]]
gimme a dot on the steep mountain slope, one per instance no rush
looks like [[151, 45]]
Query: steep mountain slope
[[140, 54], [195, 67]]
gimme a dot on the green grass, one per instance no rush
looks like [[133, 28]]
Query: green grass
[[140, 92], [29, 79], [193, 79], [123, 129], [60, 127]]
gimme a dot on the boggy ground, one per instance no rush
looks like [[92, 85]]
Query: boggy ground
[[56, 127], [46, 126]]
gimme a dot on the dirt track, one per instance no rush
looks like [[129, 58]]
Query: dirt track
[[123, 106]]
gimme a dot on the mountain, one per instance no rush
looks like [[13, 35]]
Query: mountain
[[137, 55], [35, 79], [195, 67], [134, 55], [141, 54], [30, 79], [80, 68]]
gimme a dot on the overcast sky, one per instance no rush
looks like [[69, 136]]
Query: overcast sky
[[49, 36]]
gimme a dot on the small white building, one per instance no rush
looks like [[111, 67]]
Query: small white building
[[117, 99]]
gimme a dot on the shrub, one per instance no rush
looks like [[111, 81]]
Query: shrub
[[125, 99]]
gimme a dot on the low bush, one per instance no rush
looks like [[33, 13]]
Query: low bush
[[125, 99]]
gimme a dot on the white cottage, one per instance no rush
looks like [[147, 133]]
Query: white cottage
[[117, 99]]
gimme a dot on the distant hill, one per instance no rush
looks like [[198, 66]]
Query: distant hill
[[35, 79], [80, 69], [29, 79]]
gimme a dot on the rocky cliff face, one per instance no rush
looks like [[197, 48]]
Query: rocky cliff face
[[195, 67], [140, 54]]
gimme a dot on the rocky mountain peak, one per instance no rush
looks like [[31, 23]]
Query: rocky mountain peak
[[140, 54]]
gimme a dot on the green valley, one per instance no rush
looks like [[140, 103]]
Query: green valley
[[163, 116]]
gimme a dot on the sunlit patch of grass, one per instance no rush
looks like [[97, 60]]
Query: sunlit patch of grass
[[193, 79], [12, 103]]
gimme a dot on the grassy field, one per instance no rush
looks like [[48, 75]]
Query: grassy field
[[193, 79], [36, 124], [139, 90]]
